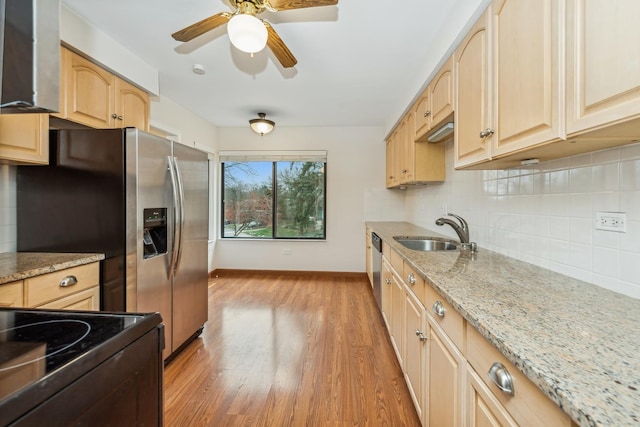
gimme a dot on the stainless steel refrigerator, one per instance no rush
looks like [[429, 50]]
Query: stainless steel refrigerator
[[141, 200]]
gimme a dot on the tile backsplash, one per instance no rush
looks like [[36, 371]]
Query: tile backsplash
[[545, 214], [7, 208]]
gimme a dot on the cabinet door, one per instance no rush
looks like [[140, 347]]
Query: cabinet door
[[90, 93], [422, 113], [133, 106], [471, 79], [386, 293], [397, 316], [446, 375], [393, 159], [603, 70], [407, 151], [528, 63], [414, 351], [24, 138], [441, 94], [483, 409]]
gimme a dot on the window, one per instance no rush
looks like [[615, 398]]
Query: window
[[274, 195]]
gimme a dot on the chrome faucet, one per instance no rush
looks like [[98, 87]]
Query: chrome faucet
[[461, 229]]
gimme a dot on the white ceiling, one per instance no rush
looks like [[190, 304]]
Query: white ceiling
[[360, 63]]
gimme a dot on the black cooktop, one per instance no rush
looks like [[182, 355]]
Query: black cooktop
[[37, 344]]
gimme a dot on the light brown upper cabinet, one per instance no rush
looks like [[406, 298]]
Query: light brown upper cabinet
[[410, 162], [24, 138], [603, 67], [527, 60], [471, 87], [562, 78], [435, 105], [97, 98]]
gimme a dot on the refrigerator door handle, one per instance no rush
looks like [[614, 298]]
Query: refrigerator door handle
[[176, 237], [181, 210]]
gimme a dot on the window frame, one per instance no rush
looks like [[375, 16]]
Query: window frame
[[267, 158]]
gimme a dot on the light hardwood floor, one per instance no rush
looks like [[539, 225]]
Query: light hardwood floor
[[289, 350]]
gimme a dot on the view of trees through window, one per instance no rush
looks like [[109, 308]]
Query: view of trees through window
[[274, 200]]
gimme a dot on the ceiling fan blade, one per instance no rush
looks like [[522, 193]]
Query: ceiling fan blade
[[201, 27], [299, 4], [279, 49]]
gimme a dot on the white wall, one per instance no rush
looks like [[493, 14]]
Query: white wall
[[545, 214], [355, 167]]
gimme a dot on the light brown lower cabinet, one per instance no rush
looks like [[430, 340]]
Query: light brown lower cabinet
[[446, 366], [483, 408], [75, 288], [446, 362]]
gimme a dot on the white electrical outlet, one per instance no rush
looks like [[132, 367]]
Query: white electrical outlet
[[443, 209], [611, 221], [286, 251]]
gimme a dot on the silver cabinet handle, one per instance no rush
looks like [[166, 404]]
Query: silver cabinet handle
[[114, 116], [411, 278], [119, 117], [487, 132], [68, 281], [387, 281], [421, 335], [501, 378], [427, 113], [438, 308]]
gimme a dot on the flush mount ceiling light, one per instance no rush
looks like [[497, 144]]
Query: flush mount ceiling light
[[247, 33], [261, 125]]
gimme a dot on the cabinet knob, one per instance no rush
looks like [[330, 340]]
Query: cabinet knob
[[120, 118], [438, 308], [387, 281], [114, 116], [501, 378], [411, 279], [421, 335], [487, 132], [427, 113], [68, 281]]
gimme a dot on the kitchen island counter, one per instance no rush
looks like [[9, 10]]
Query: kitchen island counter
[[16, 266], [579, 343]]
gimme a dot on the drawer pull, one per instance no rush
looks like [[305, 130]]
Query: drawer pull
[[438, 309], [411, 278], [501, 378], [420, 335], [68, 281]]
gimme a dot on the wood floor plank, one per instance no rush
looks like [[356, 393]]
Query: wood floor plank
[[293, 349]]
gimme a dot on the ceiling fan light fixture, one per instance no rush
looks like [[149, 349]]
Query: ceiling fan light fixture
[[262, 125], [247, 33]]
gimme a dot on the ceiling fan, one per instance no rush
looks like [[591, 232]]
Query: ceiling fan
[[249, 33]]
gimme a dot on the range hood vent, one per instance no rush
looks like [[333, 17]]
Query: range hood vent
[[30, 56], [442, 133]]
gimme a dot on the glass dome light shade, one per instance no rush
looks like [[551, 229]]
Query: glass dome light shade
[[247, 33]]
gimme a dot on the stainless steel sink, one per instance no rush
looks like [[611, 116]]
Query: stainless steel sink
[[428, 243]]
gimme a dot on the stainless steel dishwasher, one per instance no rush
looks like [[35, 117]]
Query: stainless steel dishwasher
[[376, 266]]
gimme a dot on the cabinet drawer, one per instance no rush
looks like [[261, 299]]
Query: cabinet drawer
[[445, 315], [417, 287], [11, 294], [397, 262], [528, 405], [88, 300], [42, 289]]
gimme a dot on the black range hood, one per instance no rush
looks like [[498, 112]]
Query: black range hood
[[30, 56]]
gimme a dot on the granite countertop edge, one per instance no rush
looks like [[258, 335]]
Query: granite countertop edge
[[15, 266], [591, 407]]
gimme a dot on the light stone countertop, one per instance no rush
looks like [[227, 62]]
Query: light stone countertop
[[22, 265], [579, 343]]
